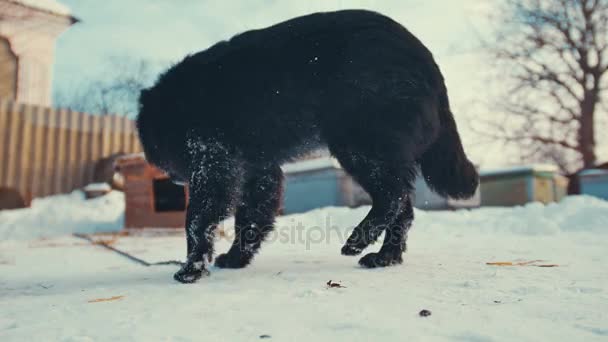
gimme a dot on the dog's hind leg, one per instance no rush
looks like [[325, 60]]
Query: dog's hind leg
[[214, 184], [388, 181], [395, 237], [255, 214]]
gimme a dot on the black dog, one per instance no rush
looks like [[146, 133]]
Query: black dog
[[226, 118]]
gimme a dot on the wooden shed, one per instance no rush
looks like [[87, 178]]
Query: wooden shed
[[594, 182], [426, 199], [319, 182], [521, 185], [574, 184], [152, 200]]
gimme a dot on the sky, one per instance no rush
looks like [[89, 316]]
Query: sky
[[165, 31]]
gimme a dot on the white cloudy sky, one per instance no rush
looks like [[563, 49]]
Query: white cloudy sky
[[166, 30]]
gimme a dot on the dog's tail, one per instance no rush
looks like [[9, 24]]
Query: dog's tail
[[444, 165]]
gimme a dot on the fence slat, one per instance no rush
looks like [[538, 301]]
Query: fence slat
[[106, 131], [115, 145], [96, 137], [85, 148], [124, 138], [49, 172], [12, 148], [4, 139], [37, 162], [72, 181], [26, 152], [59, 160]]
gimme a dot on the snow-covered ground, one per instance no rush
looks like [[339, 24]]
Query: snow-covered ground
[[63, 214], [46, 285]]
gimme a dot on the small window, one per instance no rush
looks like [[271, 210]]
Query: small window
[[168, 196]]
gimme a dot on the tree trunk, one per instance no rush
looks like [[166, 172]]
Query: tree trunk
[[586, 132]]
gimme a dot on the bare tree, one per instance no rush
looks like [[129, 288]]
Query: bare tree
[[553, 54], [115, 92]]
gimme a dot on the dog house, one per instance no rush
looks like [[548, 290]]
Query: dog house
[[521, 185], [594, 182], [321, 182], [152, 200], [574, 184], [427, 199]]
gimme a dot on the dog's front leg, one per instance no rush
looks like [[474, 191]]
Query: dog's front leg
[[215, 178]]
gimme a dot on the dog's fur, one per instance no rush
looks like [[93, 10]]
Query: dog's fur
[[226, 118]]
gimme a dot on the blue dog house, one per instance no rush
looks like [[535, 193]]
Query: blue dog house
[[594, 182], [426, 199], [321, 182]]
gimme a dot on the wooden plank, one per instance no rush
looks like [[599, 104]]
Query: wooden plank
[[145, 219], [37, 163], [137, 195], [84, 154], [116, 134], [106, 141], [133, 139], [136, 145], [11, 172], [96, 139], [73, 167], [25, 152], [77, 162], [59, 164], [4, 139], [112, 134], [49, 151], [124, 135]]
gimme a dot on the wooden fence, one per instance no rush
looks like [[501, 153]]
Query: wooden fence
[[45, 151]]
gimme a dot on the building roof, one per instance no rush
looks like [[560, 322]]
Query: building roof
[[51, 6], [594, 172], [311, 165], [519, 169]]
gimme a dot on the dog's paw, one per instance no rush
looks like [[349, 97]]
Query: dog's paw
[[191, 272], [373, 260], [351, 250], [228, 260]]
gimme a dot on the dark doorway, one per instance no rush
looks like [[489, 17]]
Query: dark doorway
[[11, 199], [169, 196]]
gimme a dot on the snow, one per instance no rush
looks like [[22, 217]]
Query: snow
[[311, 165], [97, 187], [49, 287], [47, 5], [63, 214]]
